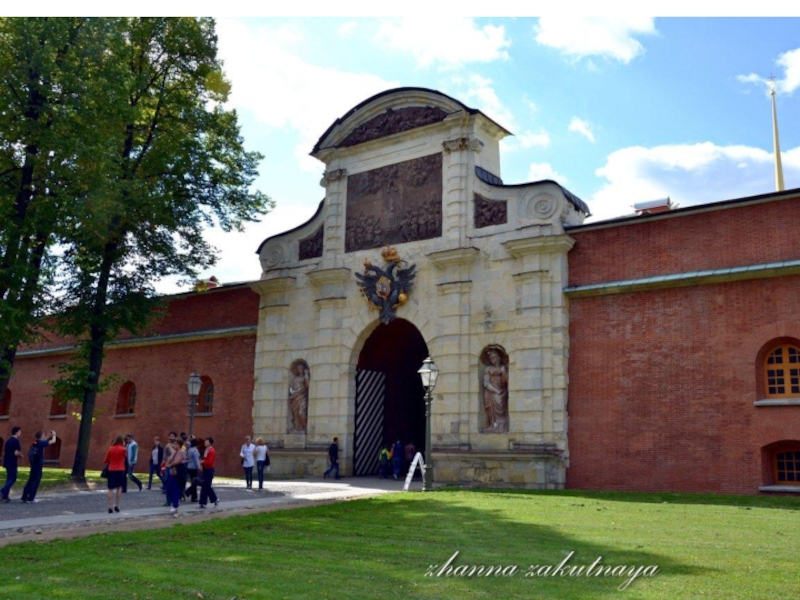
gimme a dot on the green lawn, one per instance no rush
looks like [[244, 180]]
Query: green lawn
[[708, 547]]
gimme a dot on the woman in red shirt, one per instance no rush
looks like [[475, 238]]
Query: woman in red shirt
[[115, 461]]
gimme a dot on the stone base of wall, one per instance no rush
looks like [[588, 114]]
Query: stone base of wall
[[299, 463], [524, 469], [514, 468]]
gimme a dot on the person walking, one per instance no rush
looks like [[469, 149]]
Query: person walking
[[176, 462], [169, 448], [248, 461], [397, 457], [156, 456], [209, 460], [383, 460], [36, 460], [261, 456], [132, 448], [11, 453], [409, 452], [115, 463], [193, 467], [333, 457]]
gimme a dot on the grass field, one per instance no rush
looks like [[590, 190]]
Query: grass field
[[709, 547]]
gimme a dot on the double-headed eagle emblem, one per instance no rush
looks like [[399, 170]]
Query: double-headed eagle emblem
[[386, 289]]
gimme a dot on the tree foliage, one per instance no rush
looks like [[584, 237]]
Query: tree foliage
[[48, 70], [165, 159]]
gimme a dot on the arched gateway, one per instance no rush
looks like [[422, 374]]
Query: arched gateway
[[419, 248], [389, 395]]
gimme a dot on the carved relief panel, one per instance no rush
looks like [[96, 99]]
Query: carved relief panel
[[489, 212], [311, 247], [394, 204]]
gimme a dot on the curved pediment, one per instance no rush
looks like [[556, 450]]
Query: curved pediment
[[390, 112]]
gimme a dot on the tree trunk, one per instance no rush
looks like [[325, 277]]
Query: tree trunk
[[96, 348]]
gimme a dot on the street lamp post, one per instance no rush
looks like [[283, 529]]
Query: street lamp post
[[429, 373], [194, 384]]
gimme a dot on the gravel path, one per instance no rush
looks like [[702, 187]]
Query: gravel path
[[76, 513]]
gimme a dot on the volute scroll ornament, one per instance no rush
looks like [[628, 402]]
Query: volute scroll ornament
[[386, 289]]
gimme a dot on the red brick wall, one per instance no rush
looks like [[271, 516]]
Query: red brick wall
[[160, 372], [734, 236], [662, 383]]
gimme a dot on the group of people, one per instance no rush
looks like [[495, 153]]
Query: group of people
[[12, 452], [176, 464], [397, 458], [254, 455]]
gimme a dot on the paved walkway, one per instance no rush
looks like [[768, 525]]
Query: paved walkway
[[69, 512]]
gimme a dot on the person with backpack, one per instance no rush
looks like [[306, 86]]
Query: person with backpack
[[36, 460]]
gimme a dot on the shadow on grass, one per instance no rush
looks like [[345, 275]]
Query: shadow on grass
[[777, 502], [379, 547]]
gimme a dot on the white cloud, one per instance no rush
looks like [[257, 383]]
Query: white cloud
[[346, 29], [540, 171], [271, 81], [689, 174], [449, 43], [533, 139], [582, 37], [479, 93], [237, 258], [582, 127], [790, 62]]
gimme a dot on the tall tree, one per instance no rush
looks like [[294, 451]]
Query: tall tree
[[48, 71], [175, 163]]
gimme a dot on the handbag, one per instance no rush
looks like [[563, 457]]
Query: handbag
[[173, 471], [104, 473]]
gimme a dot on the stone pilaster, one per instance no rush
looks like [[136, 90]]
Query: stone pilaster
[[335, 184]]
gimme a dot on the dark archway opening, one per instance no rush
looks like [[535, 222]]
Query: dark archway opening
[[396, 351]]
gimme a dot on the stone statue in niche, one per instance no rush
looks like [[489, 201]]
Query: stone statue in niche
[[298, 395], [495, 389]]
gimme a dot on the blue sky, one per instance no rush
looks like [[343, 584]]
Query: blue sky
[[618, 110]]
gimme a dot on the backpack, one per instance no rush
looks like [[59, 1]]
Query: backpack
[[33, 454]]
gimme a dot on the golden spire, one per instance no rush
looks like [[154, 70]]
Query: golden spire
[[776, 142]]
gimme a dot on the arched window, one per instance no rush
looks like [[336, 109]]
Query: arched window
[[126, 400], [58, 408], [782, 372], [5, 404], [205, 399]]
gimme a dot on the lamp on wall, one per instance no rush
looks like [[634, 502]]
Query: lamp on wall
[[194, 384], [429, 373]]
